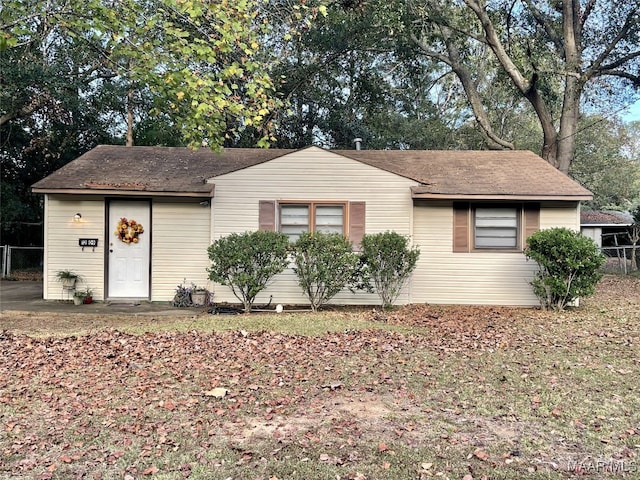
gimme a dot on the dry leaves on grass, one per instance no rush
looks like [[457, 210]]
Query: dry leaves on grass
[[123, 402], [153, 389]]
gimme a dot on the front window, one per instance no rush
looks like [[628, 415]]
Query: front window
[[496, 228], [296, 218]]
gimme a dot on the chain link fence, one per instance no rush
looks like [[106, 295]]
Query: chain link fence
[[21, 261]]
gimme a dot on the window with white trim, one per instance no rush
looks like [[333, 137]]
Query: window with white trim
[[496, 227], [299, 217]]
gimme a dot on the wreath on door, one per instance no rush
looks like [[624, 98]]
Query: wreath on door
[[128, 231]]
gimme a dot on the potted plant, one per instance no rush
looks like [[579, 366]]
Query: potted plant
[[68, 279], [88, 296], [199, 296], [78, 297]]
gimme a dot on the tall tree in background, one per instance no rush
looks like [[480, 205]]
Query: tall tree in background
[[48, 116], [606, 163], [556, 54], [198, 60], [342, 79], [72, 70], [399, 74]]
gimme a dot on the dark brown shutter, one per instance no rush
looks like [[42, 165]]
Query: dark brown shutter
[[267, 215], [357, 214], [461, 227], [531, 220]]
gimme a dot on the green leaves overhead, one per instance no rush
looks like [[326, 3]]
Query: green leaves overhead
[[202, 61]]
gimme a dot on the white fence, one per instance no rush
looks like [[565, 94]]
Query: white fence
[[20, 258]]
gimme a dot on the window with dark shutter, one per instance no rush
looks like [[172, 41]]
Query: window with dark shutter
[[493, 226], [294, 217], [496, 227]]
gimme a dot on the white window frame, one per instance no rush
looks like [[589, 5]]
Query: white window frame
[[497, 227], [312, 206]]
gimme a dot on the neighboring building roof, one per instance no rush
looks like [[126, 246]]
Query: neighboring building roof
[[601, 218], [451, 174]]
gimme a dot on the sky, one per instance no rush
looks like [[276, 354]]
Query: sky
[[633, 113]]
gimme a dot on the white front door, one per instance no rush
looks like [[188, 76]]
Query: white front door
[[129, 239]]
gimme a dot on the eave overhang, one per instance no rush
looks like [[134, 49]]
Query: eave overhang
[[505, 197], [204, 193]]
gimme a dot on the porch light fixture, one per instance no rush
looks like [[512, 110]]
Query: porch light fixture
[[77, 217]]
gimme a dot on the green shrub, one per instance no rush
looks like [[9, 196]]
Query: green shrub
[[388, 261], [324, 263], [246, 262], [569, 264]]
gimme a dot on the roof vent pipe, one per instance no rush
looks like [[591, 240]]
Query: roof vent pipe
[[358, 142]]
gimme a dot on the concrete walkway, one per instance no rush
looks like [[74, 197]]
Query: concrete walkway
[[27, 296]]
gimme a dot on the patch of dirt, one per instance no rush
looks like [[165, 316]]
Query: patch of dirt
[[367, 408]]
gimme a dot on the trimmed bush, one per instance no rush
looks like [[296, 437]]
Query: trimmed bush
[[387, 261], [324, 263], [569, 264], [246, 262]]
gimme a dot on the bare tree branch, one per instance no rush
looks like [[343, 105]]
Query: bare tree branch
[[588, 8], [635, 79], [493, 139], [618, 63], [545, 23], [633, 18]]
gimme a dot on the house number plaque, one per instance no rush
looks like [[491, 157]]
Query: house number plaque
[[88, 242]]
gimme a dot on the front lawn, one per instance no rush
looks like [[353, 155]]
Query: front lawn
[[422, 392]]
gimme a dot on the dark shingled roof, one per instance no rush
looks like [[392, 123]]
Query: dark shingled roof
[[151, 169], [603, 218], [444, 174], [472, 172]]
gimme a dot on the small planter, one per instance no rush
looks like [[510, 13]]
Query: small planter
[[83, 296], [68, 283], [200, 298]]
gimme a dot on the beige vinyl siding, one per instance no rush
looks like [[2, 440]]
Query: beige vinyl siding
[[477, 278], [180, 237], [62, 251], [558, 215], [311, 174]]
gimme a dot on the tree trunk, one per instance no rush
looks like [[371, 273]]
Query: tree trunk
[[572, 85], [549, 133], [130, 118], [566, 143]]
